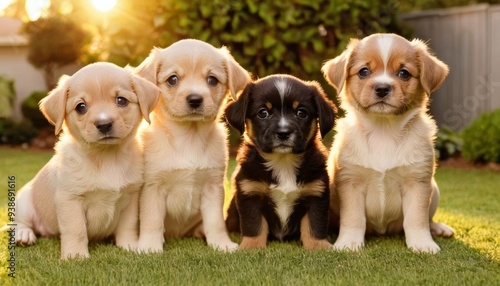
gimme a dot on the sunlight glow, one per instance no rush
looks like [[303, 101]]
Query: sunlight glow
[[104, 5], [35, 8], [4, 4]]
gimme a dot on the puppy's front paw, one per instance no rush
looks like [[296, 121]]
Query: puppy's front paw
[[149, 247], [352, 239], [151, 243], [441, 229], [75, 255], [424, 247], [25, 236], [226, 246], [348, 245], [130, 245]]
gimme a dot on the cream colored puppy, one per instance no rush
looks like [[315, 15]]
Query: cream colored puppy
[[89, 189], [382, 161], [186, 146]]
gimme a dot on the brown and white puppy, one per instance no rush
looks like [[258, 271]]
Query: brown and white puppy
[[281, 182], [382, 160], [186, 147], [89, 190]]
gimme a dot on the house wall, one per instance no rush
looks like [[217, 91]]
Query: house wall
[[467, 39], [14, 63]]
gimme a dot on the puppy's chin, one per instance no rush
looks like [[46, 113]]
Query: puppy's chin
[[283, 150], [382, 108], [191, 117], [109, 141]]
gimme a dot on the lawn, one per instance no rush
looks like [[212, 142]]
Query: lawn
[[470, 201]]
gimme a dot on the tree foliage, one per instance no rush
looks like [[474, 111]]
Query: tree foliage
[[54, 41], [267, 37]]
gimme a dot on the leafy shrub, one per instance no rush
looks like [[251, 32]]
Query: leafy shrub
[[55, 41], [7, 96], [269, 37], [448, 143], [12, 132], [482, 138], [32, 112]]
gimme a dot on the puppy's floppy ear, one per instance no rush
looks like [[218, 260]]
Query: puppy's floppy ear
[[335, 70], [236, 111], [237, 76], [53, 106], [147, 94], [432, 71], [150, 67], [326, 109]]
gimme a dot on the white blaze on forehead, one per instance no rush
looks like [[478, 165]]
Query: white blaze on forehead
[[283, 87], [384, 46]]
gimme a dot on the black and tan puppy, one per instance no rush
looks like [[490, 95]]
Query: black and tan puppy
[[281, 181]]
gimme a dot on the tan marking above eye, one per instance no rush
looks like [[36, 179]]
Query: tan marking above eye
[[295, 104], [269, 105]]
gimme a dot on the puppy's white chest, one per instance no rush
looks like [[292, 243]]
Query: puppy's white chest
[[284, 202], [286, 191], [382, 145]]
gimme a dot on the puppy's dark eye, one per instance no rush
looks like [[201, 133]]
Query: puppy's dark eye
[[81, 108], [302, 113], [263, 113], [404, 75], [172, 80], [121, 101], [212, 81], [363, 73]]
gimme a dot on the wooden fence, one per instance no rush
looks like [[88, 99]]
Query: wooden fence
[[468, 40]]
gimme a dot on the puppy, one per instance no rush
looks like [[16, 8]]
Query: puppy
[[186, 147], [281, 181], [382, 160], [89, 190]]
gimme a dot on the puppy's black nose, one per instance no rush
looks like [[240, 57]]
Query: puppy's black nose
[[283, 134], [194, 100], [381, 90], [104, 126]]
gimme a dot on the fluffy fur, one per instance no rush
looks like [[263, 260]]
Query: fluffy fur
[[185, 146], [382, 161], [281, 181], [89, 190]]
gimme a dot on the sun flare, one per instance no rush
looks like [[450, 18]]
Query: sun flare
[[104, 5]]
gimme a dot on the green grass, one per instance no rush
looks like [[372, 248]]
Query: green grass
[[470, 201]]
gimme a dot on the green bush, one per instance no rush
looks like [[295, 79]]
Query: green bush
[[7, 96], [448, 143], [32, 112], [268, 37], [12, 132], [482, 138], [55, 41]]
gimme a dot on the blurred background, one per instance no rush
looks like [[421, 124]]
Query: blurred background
[[43, 39]]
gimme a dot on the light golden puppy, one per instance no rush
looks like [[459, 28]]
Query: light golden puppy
[[89, 189], [382, 161], [185, 146]]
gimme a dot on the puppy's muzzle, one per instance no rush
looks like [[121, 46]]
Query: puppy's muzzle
[[104, 126], [382, 90], [194, 100]]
